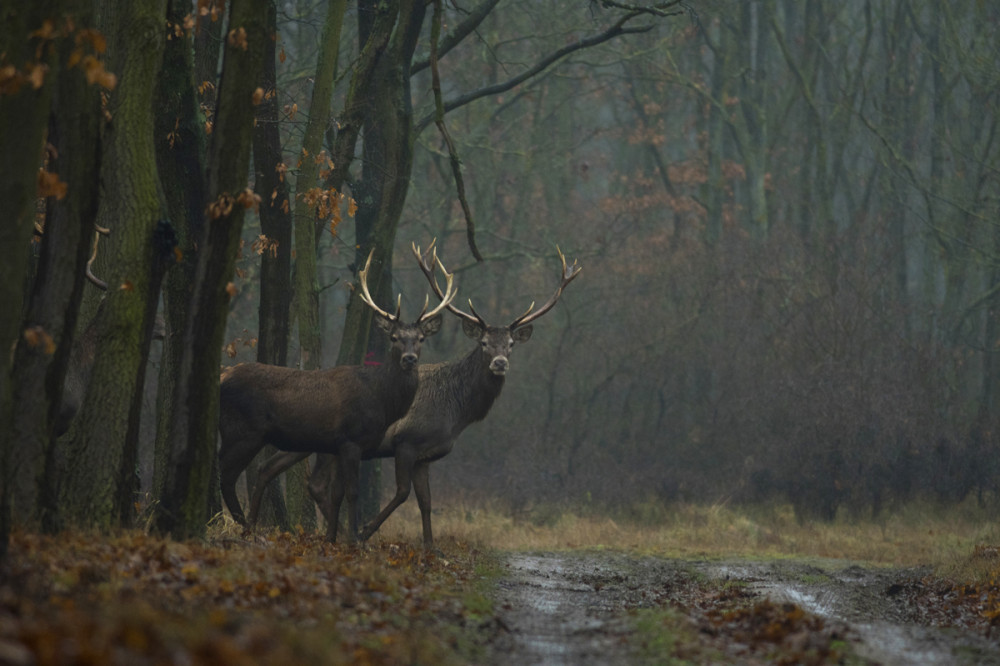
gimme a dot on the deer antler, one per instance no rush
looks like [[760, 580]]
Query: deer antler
[[568, 275], [367, 297], [446, 297], [426, 260]]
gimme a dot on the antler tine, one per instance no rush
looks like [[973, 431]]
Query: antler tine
[[478, 318], [367, 297], [423, 310], [449, 294], [567, 276], [427, 260], [526, 313]]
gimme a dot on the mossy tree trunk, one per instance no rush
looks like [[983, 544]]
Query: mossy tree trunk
[[100, 448], [192, 439], [305, 308], [41, 364]]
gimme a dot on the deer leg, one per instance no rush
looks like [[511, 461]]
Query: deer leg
[[271, 468], [404, 471], [350, 468], [336, 495], [422, 489], [232, 461], [321, 481]]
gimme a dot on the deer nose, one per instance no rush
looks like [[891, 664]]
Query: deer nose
[[498, 366], [407, 361]]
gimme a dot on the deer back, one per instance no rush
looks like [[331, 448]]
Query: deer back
[[297, 410]]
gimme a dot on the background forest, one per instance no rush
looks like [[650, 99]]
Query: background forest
[[786, 213]]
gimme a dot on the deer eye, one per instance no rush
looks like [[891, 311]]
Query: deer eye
[[394, 337], [420, 338]]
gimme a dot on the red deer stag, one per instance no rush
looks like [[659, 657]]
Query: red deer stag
[[450, 397], [344, 410]]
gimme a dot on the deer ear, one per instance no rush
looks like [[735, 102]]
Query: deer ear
[[522, 334], [431, 326], [472, 329]]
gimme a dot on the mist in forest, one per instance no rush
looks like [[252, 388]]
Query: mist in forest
[[785, 214]]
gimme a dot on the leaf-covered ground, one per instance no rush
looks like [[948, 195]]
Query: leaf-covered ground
[[136, 599]]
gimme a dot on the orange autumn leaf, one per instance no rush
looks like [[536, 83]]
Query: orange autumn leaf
[[49, 185], [36, 336]]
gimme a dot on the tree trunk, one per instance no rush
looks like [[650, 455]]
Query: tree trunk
[[306, 281], [275, 285], [306, 297], [100, 445], [40, 370], [23, 118], [385, 177], [192, 439], [180, 158]]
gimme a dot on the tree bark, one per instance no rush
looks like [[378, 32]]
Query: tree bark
[[40, 369], [99, 474], [192, 440], [275, 267], [180, 158], [385, 178], [23, 118], [306, 282]]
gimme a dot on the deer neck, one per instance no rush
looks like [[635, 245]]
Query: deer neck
[[482, 387], [399, 386]]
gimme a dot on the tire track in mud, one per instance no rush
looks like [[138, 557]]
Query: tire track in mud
[[865, 600], [552, 615], [572, 608]]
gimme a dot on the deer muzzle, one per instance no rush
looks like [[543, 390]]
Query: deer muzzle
[[408, 361], [498, 366]]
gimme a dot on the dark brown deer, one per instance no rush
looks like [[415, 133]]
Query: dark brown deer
[[344, 410], [451, 396]]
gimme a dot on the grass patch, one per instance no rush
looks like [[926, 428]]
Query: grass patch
[[667, 637], [919, 534]]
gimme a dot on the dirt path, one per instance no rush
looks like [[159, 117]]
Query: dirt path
[[576, 608]]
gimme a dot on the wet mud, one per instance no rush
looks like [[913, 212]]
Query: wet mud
[[580, 607]]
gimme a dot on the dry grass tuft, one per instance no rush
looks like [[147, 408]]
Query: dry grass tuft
[[915, 535]]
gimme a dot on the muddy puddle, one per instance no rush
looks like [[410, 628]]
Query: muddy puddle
[[580, 609]]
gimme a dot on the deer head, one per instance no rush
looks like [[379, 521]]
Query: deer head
[[496, 342], [406, 338]]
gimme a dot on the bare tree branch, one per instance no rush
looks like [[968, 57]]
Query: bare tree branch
[[461, 31], [656, 9], [456, 163], [617, 29]]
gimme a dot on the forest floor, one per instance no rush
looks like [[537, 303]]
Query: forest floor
[[278, 598]]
